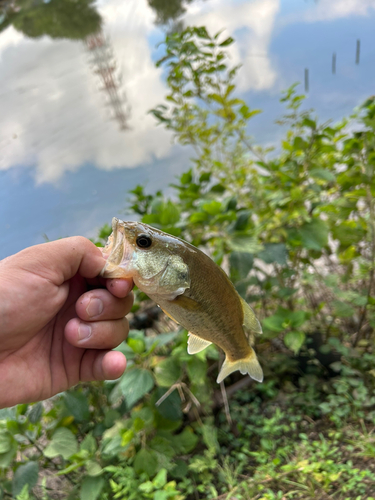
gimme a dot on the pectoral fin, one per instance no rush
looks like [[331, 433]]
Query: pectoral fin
[[250, 322], [169, 316], [249, 365], [186, 303], [196, 344]]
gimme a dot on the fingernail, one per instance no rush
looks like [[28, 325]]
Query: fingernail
[[94, 308], [84, 331]]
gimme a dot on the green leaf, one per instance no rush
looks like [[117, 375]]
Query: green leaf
[[7, 457], [26, 474], [185, 442], [35, 413], [134, 384], [77, 405], [323, 174], [89, 444], [167, 372], [63, 443], [170, 408], [294, 341], [160, 479], [169, 214], [91, 488], [342, 309], [277, 322], [297, 318], [226, 42], [274, 252], [6, 441], [93, 468], [137, 345], [212, 207], [241, 264], [314, 235], [197, 370], [246, 244], [210, 438], [145, 461]]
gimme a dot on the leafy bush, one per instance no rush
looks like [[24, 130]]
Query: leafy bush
[[294, 229]]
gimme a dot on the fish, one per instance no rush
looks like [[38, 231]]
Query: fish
[[190, 288]]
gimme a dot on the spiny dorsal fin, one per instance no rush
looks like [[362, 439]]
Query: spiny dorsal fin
[[250, 322], [196, 344]]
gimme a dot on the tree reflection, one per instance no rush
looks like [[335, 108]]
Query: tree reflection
[[168, 10], [73, 19]]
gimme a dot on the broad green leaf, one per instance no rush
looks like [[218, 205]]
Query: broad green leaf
[[63, 443], [297, 318], [167, 372], [212, 207], [35, 413], [245, 244], [274, 252], [160, 479], [26, 474], [6, 441], [185, 442], [162, 445], [134, 384], [294, 341], [137, 345], [241, 264], [197, 370], [93, 468], [145, 461], [323, 174], [77, 405], [170, 408], [91, 488], [342, 309], [89, 444], [314, 235], [7, 457], [277, 322], [169, 214], [180, 470]]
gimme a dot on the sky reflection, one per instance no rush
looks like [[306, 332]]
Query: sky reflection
[[65, 163]]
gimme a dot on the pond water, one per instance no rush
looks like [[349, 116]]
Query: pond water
[[75, 133]]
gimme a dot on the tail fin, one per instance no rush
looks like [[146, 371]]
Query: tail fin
[[249, 365]]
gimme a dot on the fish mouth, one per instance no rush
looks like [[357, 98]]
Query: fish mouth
[[118, 251]]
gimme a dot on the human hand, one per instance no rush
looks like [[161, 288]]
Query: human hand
[[57, 325]]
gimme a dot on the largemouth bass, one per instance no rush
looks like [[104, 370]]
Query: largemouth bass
[[190, 288]]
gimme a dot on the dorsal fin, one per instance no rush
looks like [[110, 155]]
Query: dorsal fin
[[250, 321]]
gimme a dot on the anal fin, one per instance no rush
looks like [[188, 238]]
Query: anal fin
[[196, 344]]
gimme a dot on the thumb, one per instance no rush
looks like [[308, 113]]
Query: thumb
[[60, 260]]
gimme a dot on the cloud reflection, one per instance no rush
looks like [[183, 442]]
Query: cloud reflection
[[53, 116]]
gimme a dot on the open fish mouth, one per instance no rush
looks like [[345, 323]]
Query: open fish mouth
[[118, 252]]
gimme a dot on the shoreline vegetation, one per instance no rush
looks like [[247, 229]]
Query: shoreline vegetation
[[295, 231]]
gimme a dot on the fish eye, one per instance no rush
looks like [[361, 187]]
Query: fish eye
[[144, 241]]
